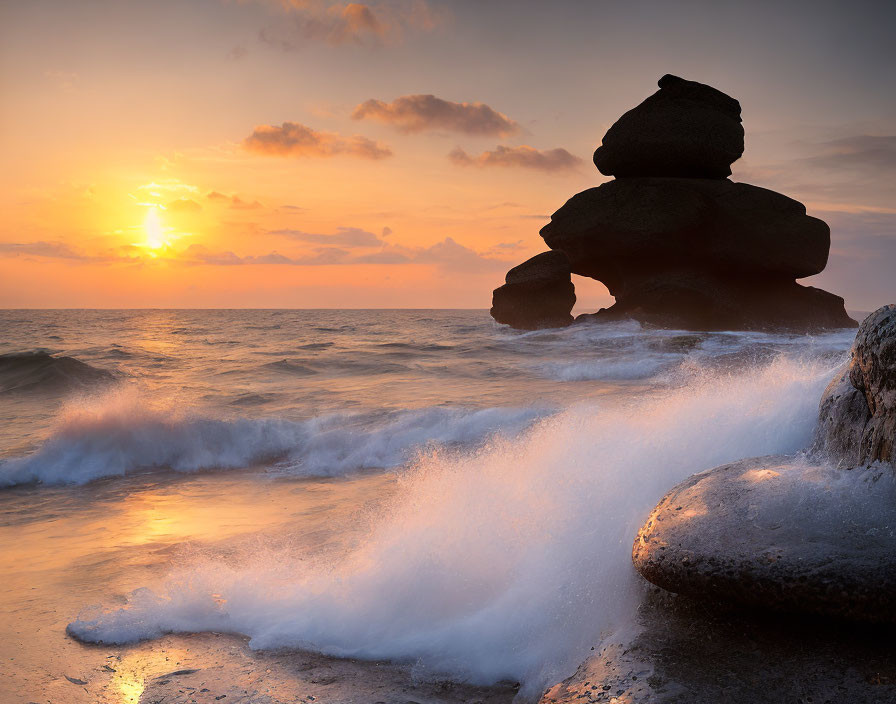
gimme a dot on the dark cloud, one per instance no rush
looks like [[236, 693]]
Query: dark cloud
[[523, 156], [418, 113], [345, 237], [293, 139]]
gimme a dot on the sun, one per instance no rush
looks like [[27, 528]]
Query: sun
[[152, 226]]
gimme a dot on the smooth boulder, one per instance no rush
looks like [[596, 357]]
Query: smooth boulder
[[686, 129], [778, 533], [537, 294]]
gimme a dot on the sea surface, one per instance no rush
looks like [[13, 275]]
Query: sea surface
[[191, 490]]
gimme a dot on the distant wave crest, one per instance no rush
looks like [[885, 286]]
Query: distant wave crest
[[38, 370], [119, 433]]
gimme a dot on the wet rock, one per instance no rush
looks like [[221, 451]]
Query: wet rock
[[778, 533], [857, 415], [684, 651], [685, 129], [537, 294]]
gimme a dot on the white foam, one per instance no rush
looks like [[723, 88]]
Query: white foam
[[121, 432], [506, 562]]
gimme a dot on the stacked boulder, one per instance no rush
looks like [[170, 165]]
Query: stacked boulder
[[537, 294], [677, 243]]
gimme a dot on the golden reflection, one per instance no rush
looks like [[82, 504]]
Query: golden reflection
[[759, 475]]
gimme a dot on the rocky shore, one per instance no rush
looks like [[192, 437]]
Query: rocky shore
[[772, 579], [675, 241]]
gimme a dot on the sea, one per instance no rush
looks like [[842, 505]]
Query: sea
[[350, 505]]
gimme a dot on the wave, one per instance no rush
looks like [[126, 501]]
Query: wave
[[120, 433], [642, 367], [507, 562], [38, 370]]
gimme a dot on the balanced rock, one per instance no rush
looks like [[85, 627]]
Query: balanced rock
[[778, 533], [685, 129], [696, 300], [628, 228], [857, 416], [537, 294], [678, 244]]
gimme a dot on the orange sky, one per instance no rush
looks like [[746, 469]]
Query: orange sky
[[272, 153]]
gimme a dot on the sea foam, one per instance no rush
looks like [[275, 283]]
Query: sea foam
[[121, 432], [506, 562]]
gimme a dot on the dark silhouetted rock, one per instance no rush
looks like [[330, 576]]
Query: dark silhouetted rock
[[678, 244], [685, 129], [694, 300], [632, 227], [857, 416], [778, 533], [686, 651], [537, 294]]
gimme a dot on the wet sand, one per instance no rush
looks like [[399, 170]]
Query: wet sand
[[68, 548]]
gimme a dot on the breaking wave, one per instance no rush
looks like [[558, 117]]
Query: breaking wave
[[504, 562], [120, 432]]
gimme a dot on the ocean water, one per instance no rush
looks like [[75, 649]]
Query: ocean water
[[424, 487]]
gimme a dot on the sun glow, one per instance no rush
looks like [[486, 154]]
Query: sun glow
[[152, 226]]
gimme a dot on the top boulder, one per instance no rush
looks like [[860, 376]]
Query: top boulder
[[686, 129]]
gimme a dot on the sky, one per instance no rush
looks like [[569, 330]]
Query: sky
[[400, 153]]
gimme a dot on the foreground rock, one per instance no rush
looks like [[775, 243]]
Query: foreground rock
[[781, 534], [857, 418], [684, 129], [537, 294], [684, 651]]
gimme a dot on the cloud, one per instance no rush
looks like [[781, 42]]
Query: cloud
[[855, 172], [233, 201], [859, 152], [166, 190], [345, 236], [337, 24], [293, 139], [448, 256], [238, 203], [184, 205], [863, 252], [51, 250], [419, 113], [523, 156]]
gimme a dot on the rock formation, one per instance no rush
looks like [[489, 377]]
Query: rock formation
[[802, 534], [857, 417], [677, 243], [537, 294], [685, 129]]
